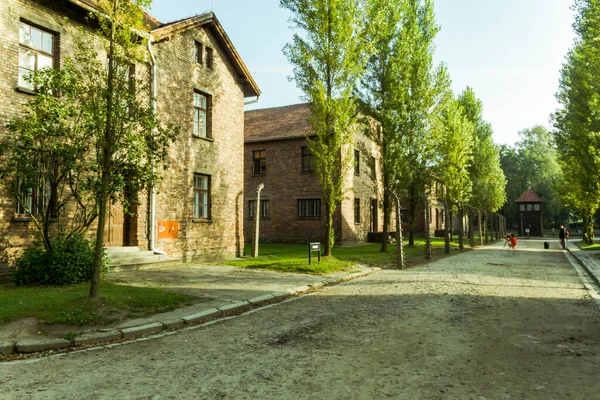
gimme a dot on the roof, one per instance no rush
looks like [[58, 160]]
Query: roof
[[210, 21], [287, 122], [529, 197], [161, 31]]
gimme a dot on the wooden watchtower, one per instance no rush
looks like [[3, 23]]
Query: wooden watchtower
[[531, 216]]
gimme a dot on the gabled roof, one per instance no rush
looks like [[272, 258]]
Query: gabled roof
[[287, 122], [529, 197], [161, 31], [210, 21]]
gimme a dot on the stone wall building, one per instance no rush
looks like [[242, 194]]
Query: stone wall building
[[292, 208], [200, 85]]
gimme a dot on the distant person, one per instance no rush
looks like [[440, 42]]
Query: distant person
[[562, 235], [512, 241]]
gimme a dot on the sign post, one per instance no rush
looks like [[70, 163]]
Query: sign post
[[257, 220], [315, 246]]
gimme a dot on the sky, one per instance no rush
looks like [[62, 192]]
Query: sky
[[509, 51]]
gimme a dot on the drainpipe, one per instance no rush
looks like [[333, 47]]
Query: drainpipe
[[251, 101], [152, 201]]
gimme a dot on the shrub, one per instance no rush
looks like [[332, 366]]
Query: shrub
[[70, 261]]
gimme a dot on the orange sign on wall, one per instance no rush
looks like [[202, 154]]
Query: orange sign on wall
[[168, 229]]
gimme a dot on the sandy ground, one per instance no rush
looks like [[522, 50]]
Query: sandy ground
[[486, 324]]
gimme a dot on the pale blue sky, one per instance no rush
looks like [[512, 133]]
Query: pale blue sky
[[509, 51]]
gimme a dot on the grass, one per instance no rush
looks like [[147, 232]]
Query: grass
[[595, 246], [71, 305], [294, 258]]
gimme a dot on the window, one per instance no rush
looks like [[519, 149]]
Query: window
[[308, 160], [309, 208], [202, 196], [529, 207], [264, 208], [356, 162], [202, 104], [209, 58], [536, 207], [36, 51], [373, 166], [198, 52], [259, 162], [357, 211], [33, 199], [521, 207]]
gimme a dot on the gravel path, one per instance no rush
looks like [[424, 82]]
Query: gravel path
[[486, 324]]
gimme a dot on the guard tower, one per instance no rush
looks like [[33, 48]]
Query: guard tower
[[531, 216]]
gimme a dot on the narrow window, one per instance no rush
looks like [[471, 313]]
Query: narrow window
[[36, 51], [209, 58], [202, 104], [373, 170], [259, 162], [356, 162], [33, 200], [309, 208], [202, 196], [357, 211], [264, 209], [198, 52], [308, 160]]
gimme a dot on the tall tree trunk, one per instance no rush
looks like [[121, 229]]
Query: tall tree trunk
[[386, 220]]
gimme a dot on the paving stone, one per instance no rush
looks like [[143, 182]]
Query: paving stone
[[104, 335], [301, 289], [262, 299], [202, 316], [32, 346], [136, 331], [6, 348]]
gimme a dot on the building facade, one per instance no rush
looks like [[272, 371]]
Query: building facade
[[292, 208], [200, 83]]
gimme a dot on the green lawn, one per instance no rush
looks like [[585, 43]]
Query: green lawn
[[294, 258], [582, 246], [71, 305]]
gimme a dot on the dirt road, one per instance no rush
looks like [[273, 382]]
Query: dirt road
[[486, 324]]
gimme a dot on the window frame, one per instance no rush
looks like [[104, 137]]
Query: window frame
[[198, 111], [313, 205], [259, 163], [309, 157], [199, 52], [30, 47], [197, 196], [357, 219], [37, 198], [357, 162]]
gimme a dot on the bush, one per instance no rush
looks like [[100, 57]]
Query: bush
[[70, 261]]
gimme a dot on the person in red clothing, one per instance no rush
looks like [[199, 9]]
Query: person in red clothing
[[512, 241]]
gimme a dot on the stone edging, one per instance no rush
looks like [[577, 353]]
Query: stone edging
[[103, 336]]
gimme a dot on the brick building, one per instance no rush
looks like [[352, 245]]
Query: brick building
[[292, 208], [200, 85]]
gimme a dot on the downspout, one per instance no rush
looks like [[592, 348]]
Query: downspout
[[152, 211]]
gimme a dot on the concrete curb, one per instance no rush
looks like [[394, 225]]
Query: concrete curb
[[113, 335], [584, 266]]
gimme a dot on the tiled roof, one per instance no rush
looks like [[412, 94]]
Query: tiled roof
[[276, 123], [529, 197]]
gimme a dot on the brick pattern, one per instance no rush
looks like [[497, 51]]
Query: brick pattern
[[178, 76], [285, 184]]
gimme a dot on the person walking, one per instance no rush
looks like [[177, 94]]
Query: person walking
[[562, 235]]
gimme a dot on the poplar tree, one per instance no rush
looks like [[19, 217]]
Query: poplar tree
[[578, 124], [327, 56]]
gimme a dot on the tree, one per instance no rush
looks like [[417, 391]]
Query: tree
[[47, 158], [487, 178], [129, 140], [454, 141], [328, 61], [381, 90]]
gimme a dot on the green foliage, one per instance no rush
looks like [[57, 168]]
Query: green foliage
[[70, 261], [70, 304], [487, 178], [328, 59], [577, 134], [48, 151]]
